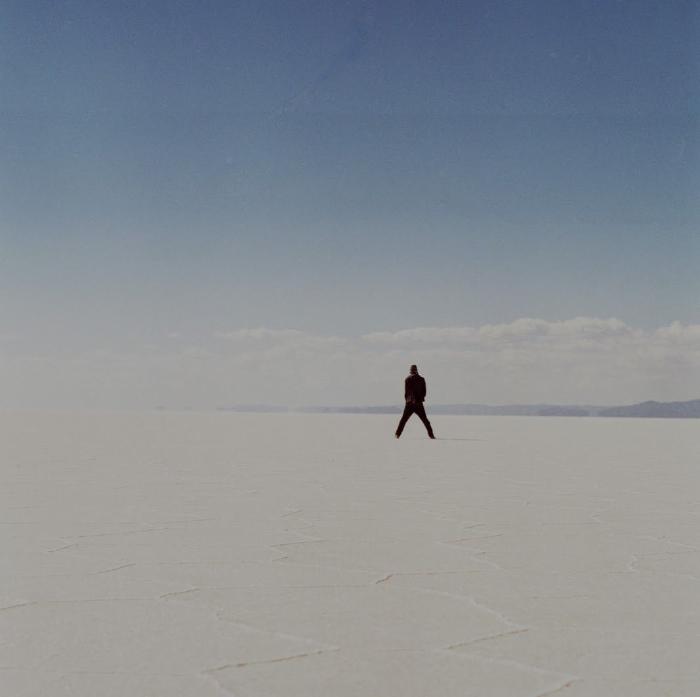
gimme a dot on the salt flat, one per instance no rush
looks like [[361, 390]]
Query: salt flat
[[192, 554]]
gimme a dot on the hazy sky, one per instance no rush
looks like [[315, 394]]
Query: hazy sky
[[177, 176]]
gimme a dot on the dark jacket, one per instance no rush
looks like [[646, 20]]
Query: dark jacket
[[415, 388]]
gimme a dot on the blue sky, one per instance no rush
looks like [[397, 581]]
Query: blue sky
[[187, 168]]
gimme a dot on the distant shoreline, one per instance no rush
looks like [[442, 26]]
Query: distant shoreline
[[650, 409]]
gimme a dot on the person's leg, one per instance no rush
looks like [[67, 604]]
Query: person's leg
[[408, 410], [420, 410]]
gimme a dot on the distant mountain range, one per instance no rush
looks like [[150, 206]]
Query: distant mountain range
[[664, 410], [651, 409]]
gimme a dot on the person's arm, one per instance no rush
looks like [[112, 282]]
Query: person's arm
[[405, 389], [425, 389]]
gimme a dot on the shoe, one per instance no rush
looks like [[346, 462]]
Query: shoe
[[396, 435], [431, 436]]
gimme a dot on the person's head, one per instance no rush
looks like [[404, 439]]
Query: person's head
[[413, 370]]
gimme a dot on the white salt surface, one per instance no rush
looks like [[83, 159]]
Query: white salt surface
[[150, 555]]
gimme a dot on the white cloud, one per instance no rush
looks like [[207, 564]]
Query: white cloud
[[261, 334], [677, 333], [580, 360], [521, 329], [425, 335]]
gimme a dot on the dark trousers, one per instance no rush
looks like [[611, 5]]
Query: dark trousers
[[414, 408]]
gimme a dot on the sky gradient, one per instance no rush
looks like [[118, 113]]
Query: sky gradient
[[176, 172]]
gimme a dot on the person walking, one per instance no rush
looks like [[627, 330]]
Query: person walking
[[414, 394]]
